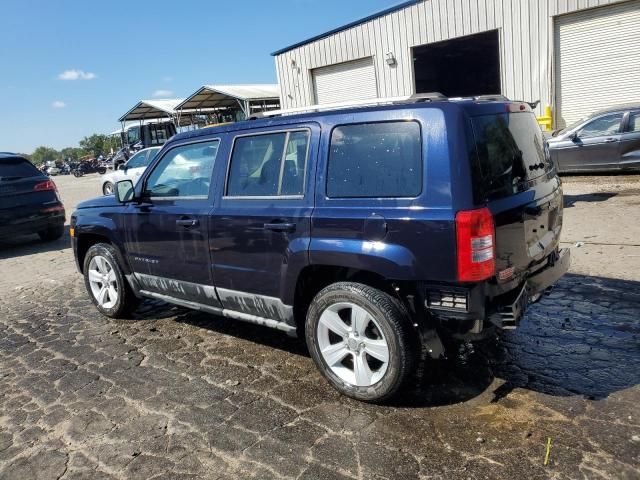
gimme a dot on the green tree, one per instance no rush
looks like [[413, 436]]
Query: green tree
[[74, 153], [96, 144], [44, 154]]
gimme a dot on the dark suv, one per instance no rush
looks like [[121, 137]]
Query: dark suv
[[29, 200], [371, 231]]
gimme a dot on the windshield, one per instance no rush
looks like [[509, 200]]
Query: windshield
[[510, 150]]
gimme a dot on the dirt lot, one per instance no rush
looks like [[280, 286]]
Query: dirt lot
[[179, 394]]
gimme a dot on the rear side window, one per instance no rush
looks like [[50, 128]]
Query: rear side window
[[510, 151], [15, 168], [375, 160], [270, 165]]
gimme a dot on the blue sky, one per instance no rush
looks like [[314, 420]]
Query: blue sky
[[118, 52]]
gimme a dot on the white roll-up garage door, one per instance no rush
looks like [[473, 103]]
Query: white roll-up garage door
[[597, 60], [345, 82]]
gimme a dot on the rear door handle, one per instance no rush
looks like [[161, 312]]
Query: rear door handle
[[188, 222], [280, 227]]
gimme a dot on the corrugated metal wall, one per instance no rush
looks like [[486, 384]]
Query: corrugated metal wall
[[526, 39]]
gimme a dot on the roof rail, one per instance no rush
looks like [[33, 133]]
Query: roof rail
[[332, 106]]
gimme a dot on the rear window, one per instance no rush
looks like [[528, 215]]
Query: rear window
[[375, 160], [15, 168], [510, 151]]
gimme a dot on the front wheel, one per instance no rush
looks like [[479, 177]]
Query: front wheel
[[77, 173], [107, 188], [102, 170], [106, 284], [360, 339]]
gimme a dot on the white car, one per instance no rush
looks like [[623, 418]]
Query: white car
[[131, 170]]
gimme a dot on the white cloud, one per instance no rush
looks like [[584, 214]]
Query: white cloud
[[167, 79], [76, 75], [58, 104], [162, 93]]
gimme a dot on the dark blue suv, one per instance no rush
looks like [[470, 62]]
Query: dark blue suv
[[372, 231]]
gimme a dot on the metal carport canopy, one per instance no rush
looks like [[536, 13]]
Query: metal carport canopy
[[147, 109], [224, 96]]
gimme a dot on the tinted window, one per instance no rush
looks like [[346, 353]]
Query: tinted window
[[634, 122], [268, 165], [600, 127], [184, 171], [15, 168], [375, 160], [510, 149]]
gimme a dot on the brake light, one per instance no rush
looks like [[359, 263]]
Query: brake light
[[45, 186], [475, 234]]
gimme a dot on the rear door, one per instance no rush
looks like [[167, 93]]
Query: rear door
[[519, 184], [259, 233], [630, 142], [24, 192]]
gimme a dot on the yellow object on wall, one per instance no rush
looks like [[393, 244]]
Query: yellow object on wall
[[546, 120]]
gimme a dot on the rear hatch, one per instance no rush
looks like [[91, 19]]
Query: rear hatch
[[25, 192], [515, 178]]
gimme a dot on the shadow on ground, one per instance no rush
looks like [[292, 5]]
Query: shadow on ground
[[571, 200], [31, 244], [583, 339]]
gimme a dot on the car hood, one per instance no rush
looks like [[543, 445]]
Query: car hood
[[104, 201]]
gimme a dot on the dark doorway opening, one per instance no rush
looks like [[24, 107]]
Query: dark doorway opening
[[460, 67]]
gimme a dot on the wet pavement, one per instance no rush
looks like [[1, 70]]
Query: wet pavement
[[180, 394]]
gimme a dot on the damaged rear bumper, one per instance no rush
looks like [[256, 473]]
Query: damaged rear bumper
[[511, 308]]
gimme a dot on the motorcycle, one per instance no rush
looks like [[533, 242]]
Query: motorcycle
[[87, 168]]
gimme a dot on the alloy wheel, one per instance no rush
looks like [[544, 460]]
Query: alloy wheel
[[352, 344]]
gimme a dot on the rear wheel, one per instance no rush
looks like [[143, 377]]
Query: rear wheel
[[77, 173], [107, 188], [52, 233], [106, 284], [102, 170], [360, 339]]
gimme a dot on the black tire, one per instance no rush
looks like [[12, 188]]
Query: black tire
[[107, 188], [77, 173], [392, 319], [127, 301], [51, 233], [102, 170]]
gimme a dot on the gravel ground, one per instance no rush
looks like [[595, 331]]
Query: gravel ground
[[179, 394]]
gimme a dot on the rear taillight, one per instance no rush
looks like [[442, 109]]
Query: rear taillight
[[45, 186], [475, 234]]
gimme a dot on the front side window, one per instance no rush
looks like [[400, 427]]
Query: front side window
[[272, 164], [184, 171], [133, 135], [601, 127], [375, 160]]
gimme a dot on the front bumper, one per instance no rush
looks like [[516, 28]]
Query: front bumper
[[32, 224]]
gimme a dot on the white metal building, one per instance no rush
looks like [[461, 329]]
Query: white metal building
[[576, 55]]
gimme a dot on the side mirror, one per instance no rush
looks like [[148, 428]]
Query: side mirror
[[125, 192], [574, 136]]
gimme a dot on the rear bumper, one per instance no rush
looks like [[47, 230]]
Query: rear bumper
[[32, 224], [475, 305]]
